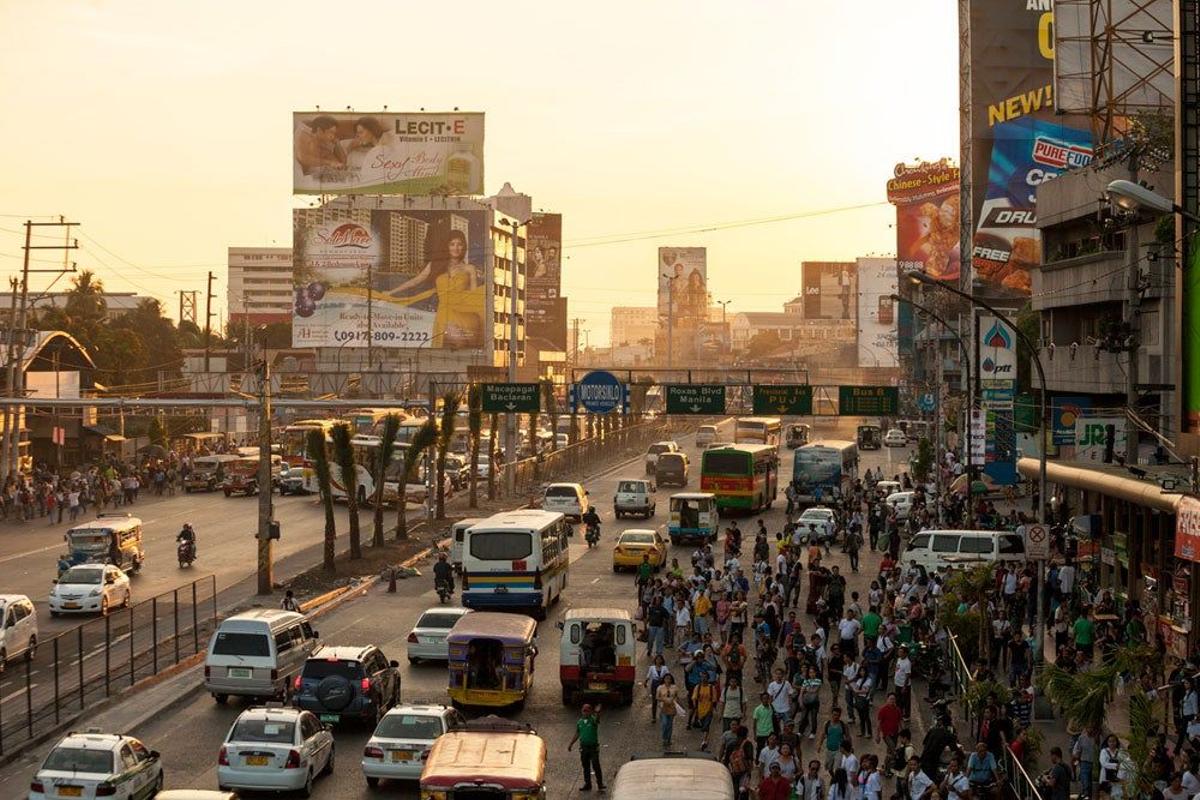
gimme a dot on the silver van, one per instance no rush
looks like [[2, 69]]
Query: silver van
[[256, 654], [457, 531], [934, 549]]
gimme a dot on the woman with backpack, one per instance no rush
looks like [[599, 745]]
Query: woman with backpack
[[740, 760]]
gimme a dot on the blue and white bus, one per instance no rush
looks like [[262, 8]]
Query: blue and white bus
[[516, 561], [823, 470]]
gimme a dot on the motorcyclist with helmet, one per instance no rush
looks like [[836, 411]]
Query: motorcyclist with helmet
[[591, 522], [443, 573], [188, 534]]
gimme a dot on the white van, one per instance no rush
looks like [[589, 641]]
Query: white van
[[934, 549], [634, 496], [18, 628], [568, 499], [457, 531], [256, 654], [706, 435]]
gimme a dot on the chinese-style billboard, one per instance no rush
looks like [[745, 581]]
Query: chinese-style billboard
[[926, 196]]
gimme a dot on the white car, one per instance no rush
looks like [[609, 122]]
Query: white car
[[634, 496], [277, 749], [18, 628], [90, 588], [657, 449], [93, 764], [401, 742], [902, 502], [705, 435], [895, 438], [427, 640], [568, 499], [822, 518]]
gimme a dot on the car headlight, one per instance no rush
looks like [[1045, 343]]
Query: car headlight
[[94, 593]]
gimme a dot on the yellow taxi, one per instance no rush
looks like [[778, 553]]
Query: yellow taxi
[[637, 542]]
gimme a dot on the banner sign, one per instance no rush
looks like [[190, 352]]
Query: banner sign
[[787, 399], [387, 153], [878, 344], [1064, 411], [417, 276], [926, 196], [1187, 529], [830, 288]]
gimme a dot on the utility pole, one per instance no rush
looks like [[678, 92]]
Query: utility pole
[[510, 432], [575, 325], [16, 375], [938, 429], [266, 526], [11, 378], [1131, 317], [208, 314], [370, 326], [670, 318]]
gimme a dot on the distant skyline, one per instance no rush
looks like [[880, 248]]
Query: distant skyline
[[164, 128]]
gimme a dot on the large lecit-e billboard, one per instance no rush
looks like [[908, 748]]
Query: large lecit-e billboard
[[387, 153]]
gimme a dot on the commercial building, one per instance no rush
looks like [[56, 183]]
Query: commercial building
[[633, 325], [260, 286], [1105, 294]]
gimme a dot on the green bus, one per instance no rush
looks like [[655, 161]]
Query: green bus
[[742, 476]]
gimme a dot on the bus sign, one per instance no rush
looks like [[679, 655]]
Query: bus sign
[[695, 398], [868, 401], [790, 399], [517, 398]]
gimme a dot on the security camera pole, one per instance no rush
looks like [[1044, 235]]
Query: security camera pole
[[266, 565]]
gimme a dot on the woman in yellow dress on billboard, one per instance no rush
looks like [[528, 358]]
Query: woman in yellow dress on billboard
[[458, 321]]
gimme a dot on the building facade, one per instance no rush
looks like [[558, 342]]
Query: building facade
[[633, 325], [260, 286]]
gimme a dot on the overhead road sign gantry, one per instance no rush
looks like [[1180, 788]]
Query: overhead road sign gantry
[[517, 398], [868, 401], [695, 398], [783, 398]]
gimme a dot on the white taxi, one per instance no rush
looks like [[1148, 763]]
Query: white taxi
[[93, 764], [89, 588], [401, 742], [275, 749]]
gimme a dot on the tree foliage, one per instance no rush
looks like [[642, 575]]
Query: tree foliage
[[451, 402], [343, 453], [387, 452], [425, 438], [315, 445]]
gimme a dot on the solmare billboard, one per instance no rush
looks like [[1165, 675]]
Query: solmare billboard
[[387, 153], [1017, 140], [926, 197]]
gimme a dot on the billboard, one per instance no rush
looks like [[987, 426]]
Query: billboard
[[829, 289], [682, 302], [1095, 435], [387, 153], [878, 341], [1064, 411], [419, 275], [997, 349], [1016, 139], [926, 196], [546, 309]]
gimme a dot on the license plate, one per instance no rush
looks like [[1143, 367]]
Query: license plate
[[501, 590], [75, 788], [256, 761], [402, 755], [70, 791], [598, 687], [330, 717], [241, 672]]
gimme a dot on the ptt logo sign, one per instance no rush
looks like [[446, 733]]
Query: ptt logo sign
[[1000, 340]]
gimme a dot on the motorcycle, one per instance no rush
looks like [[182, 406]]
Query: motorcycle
[[442, 586], [592, 537], [185, 553]]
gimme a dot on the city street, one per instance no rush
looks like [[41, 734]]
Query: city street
[[191, 734]]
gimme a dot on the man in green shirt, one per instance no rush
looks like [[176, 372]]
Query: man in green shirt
[[870, 624], [1085, 633], [645, 571], [764, 721], [587, 733]]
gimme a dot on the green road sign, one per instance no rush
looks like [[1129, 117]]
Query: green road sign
[[519, 398], [695, 398], [868, 401], [783, 399]]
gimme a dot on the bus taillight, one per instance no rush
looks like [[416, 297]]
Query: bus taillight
[[519, 566]]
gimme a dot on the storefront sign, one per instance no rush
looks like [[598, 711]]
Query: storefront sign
[[1187, 529]]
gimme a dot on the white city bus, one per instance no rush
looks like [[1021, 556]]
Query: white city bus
[[516, 561], [758, 430]]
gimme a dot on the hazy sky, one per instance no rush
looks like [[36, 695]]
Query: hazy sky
[[164, 126]]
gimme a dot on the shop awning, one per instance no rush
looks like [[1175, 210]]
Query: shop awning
[[103, 433], [1079, 475]]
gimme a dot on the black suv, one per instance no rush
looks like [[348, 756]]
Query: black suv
[[671, 469], [339, 683]]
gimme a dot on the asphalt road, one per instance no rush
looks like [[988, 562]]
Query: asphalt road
[[191, 734]]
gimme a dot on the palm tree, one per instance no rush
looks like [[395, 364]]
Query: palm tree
[[451, 401], [533, 444], [387, 451], [315, 444], [475, 426], [493, 462], [422, 440], [551, 408], [344, 455]]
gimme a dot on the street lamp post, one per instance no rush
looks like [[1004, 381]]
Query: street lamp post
[[922, 278], [966, 354]]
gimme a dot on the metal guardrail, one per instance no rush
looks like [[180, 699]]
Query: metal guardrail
[[103, 657], [1018, 782]]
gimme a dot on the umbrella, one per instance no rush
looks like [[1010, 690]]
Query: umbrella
[[959, 486]]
